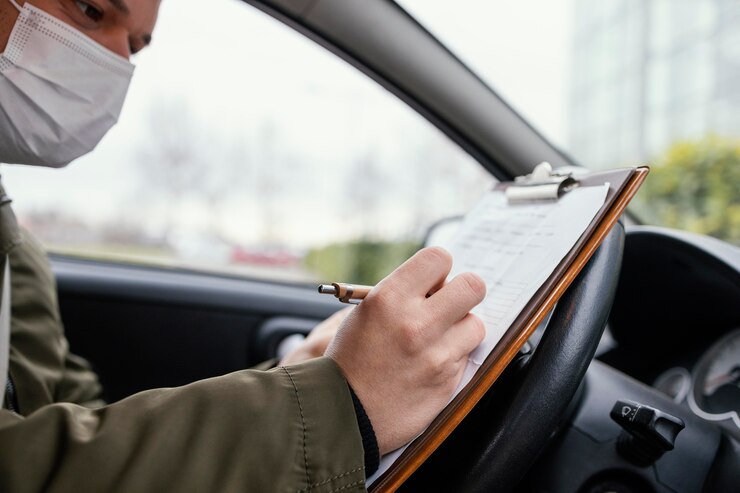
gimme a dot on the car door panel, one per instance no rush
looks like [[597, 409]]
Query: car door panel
[[146, 327]]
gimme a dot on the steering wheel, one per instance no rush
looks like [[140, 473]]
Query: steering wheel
[[500, 440]]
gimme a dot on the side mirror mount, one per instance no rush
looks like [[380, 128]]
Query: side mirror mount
[[441, 232]]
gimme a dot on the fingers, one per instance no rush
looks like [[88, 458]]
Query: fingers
[[456, 298], [464, 336], [422, 273], [331, 324], [318, 340], [437, 287]]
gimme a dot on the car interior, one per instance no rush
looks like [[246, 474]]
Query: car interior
[[651, 326]]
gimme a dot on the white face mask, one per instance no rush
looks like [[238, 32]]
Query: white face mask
[[60, 91]]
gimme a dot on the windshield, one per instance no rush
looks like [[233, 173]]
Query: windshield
[[619, 83], [247, 149]]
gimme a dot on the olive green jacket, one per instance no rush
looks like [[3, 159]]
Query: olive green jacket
[[287, 429]]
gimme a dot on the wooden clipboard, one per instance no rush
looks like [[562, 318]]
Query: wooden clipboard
[[623, 185]]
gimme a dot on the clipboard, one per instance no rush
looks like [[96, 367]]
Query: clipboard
[[542, 184]]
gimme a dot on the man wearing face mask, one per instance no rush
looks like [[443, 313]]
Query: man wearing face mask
[[312, 425]]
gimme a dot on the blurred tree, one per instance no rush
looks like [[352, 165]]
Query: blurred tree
[[172, 159], [365, 181], [695, 186], [269, 175], [185, 163]]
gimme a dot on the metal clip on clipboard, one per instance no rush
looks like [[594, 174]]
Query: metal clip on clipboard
[[543, 184]]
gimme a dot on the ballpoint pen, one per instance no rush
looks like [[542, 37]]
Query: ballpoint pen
[[346, 293]]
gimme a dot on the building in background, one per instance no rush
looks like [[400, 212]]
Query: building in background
[[648, 74]]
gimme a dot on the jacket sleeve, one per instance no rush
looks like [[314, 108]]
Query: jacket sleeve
[[41, 365], [288, 429]]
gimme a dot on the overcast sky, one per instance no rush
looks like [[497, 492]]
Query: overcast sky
[[241, 76]]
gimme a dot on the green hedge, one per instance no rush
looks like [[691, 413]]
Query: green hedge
[[359, 262], [695, 186]]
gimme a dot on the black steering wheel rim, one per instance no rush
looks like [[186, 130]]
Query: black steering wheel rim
[[501, 439]]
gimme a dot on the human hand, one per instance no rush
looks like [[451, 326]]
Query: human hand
[[318, 339], [404, 353]]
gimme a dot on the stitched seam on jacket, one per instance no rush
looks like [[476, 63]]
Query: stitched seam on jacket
[[339, 476], [303, 425], [348, 486]]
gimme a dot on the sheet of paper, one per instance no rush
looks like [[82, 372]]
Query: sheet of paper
[[514, 248]]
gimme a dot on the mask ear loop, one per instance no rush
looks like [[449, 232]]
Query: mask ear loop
[[16, 5]]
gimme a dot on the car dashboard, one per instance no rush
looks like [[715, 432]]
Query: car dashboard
[[676, 321], [671, 348]]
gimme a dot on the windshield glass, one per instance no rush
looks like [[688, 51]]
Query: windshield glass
[[247, 149], [618, 83]]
